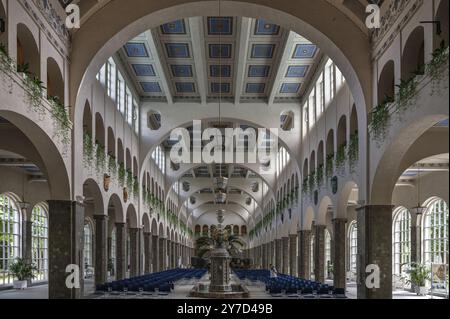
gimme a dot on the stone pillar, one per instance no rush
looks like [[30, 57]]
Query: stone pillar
[[278, 254], [101, 249], [319, 255], [414, 244], [121, 249], [162, 254], [374, 224], [27, 236], [155, 253], [304, 248], [134, 252], [293, 255], [264, 256], [272, 253], [66, 237], [285, 255], [338, 256], [148, 253]]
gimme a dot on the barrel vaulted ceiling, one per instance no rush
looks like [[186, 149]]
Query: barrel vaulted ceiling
[[202, 59]]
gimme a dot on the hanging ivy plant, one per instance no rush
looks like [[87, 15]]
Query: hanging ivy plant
[[305, 185], [88, 149], [135, 188], [319, 176], [329, 165], [380, 118], [353, 151], [438, 65], [407, 89], [341, 157], [6, 63], [312, 181], [100, 157], [112, 165], [130, 180], [61, 118], [35, 89], [122, 173]]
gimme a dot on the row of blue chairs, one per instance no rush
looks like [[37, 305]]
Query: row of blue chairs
[[161, 281], [289, 285]]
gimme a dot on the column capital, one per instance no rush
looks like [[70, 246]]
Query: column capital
[[368, 206], [339, 219], [101, 217]]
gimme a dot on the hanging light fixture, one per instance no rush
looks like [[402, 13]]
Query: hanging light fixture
[[24, 205], [220, 197], [220, 216], [419, 209]]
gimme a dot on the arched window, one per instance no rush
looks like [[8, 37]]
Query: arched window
[[435, 241], [311, 258], [353, 247], [39, 242], [10, 231], [327, 254], [401, 239], [87, 245]]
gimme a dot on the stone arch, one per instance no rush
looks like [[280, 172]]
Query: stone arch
[[442, 17], [312, 162], [330, 143], [115, 209], [344, 197], [28, 51], [413, 59], [154, 227], [55, 80], [307, 219], [93, 195], [132, 217], [353, 121], [320, 154], [41, 149], [128, 164], [161, 230], [321, 215], [146, 223], [99, 130], [87, 120], [386, 83]]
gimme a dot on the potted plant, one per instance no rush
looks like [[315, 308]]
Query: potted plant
[[419, 274], [23, 271]]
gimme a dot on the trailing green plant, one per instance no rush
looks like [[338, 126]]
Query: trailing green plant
[[319, 175], [121, 174], [312, 181], [341, 156], [436, 67], [407, 89], [380, 118], [353, 151], [112, 165], [329, 165], [305, 185], [136, 187], [88, 149], [100, 157], [130, 180], [22, 270], [35, 88], [61, 118], [6, 62]]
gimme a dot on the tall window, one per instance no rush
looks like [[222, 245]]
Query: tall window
[[159, 158], [353, 246], [435, 241], [111, 79], [401, 240], [311, 258], [113, 253], [87, 245], [39, 253], [10, 230], [327, 253]]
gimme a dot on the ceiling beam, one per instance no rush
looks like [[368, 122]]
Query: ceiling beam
[[287, 49], [242, 53], [198, 48]]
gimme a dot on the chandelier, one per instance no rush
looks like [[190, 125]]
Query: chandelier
[[220, 216], [220, 183], [220, 197]]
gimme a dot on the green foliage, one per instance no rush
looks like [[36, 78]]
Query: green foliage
[[88, 149], [341, 156], [353, 151], [110, 265], [22, 270], [112, 165], [6, 63], [380, 118], [419, 274], [329, 166], [130, 180], [136, 188], [436, 67], [34, 90], [319, 175], [61, 118], [122, 173], [406, 91], [100, 156], [305, 185]]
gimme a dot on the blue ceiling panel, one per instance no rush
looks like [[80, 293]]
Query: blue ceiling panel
[[304, 51], [136, 50], [262, 51], [175, 27], [217, 51], [266, 28], [177, 50], [290, 88], [220, 25], [151, 87], [255, 88], [185, 87], [144, 70], [220, 71], [296, 71], [258, 71], [220, 87], [181, 71]]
